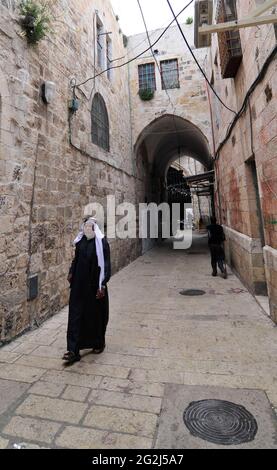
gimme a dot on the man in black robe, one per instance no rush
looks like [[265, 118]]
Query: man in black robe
[[216, 240], [89, 300]]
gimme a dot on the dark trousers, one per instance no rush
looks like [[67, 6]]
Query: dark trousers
[[217, 258]]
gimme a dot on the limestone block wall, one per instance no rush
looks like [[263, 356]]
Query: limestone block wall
[[239, 196], [245, 255], [189, 101], [270, 256], [46, 182]]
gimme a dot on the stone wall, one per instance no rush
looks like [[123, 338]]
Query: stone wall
[[45, 180], [240, 197], [189, 101]]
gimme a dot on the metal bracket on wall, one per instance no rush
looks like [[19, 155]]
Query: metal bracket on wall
[[254, 19]]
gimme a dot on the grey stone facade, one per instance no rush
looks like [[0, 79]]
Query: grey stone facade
[[49, 167]]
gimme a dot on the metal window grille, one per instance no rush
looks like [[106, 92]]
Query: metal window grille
[[100, 132], [170, 74], [147, 78]]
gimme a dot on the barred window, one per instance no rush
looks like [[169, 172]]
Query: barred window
[[170, 74], [147, 78], [100, 132]]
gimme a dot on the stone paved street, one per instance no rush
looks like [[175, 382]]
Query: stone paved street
[[157, 339]]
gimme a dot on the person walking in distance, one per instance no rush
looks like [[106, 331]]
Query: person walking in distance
[[216, 240]]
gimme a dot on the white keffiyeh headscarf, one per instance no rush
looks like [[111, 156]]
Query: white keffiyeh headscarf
[[99, 247]]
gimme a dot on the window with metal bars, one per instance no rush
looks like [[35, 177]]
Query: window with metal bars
[[147, 77], [100, 129], [170, 74], [228, 41]]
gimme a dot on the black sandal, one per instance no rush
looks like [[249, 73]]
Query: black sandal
[[70, 357], [98, 351]]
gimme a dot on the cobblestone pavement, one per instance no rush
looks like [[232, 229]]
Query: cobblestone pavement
[[156, 337]]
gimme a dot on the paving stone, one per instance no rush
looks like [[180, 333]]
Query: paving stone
[[128, 386], [123, 360], [50, 352], [27, 446], [47, 389], [121, 420], [48, 363], [76, 393], [8, 357], [54, 409], [32, 429], [71, 378], [160, 376], [10, 347], [20, 373], [3, 443], [100, 369], [26, 348], [272, 396], [85, 438], [126, 400], [44, 340], [10, 392]]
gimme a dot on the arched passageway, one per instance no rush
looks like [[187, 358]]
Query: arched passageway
[[162, 142], [166, 140]]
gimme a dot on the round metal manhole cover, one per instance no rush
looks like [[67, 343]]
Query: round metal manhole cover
[[220, 422], [192, 292]]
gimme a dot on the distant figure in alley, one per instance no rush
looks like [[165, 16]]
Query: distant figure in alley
[[216, 239], [89, 301]]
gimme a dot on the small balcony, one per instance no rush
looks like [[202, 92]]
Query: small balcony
[[229, 41]]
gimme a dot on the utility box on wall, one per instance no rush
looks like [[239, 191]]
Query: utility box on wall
[[203, 16], [32, 287]]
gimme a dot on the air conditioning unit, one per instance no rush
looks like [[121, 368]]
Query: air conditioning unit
[[203, 16]]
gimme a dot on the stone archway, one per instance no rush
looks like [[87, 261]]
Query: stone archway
[[160, 143]]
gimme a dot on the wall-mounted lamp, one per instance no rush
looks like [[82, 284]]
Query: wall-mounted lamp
[[48, 91], [74, 105]]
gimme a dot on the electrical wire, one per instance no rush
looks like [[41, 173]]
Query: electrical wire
[[137, 56], [195, 59]]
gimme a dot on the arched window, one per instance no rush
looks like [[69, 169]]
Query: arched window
[[100, 133]]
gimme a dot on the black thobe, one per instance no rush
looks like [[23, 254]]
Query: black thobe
[[88, 316], [216, 239]]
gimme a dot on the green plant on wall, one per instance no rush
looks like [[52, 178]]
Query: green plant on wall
[[146, 94], [189, 20], [36, 18]]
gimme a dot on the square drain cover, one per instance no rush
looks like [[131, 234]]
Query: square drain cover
[[195, 417]]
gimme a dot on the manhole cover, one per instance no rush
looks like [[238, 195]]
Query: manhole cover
[[220, 422], [192, 292]]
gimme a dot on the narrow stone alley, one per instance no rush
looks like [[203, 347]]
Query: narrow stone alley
[[164, 351]]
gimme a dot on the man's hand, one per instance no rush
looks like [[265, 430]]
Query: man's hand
[[100, 294]]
